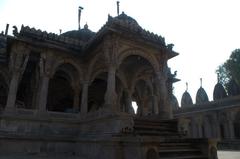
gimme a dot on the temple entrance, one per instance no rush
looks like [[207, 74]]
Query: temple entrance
[[138, 72], [27, 88], [62, 88], [96, 92]]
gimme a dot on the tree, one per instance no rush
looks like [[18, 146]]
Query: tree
[[230, 70]]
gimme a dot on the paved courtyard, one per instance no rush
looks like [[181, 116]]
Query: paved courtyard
[[228, 154]]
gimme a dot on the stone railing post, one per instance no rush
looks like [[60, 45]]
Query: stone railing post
[[84, 99], [17, 66]]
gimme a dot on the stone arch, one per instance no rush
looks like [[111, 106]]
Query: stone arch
[[70, 62], [92, 65], [64, 88], [138, 52], [146, 80], [97, 89]]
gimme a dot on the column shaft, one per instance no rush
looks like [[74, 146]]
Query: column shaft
[[12, 94], [110, 95], [43, 93], [84, 100]]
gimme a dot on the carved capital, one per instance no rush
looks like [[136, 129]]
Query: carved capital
[[18, 63], [46, 65]]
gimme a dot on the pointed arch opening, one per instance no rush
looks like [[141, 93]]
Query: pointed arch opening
[[138, 72], [64, 89]]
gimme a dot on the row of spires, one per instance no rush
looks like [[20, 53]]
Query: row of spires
[[219, 92]]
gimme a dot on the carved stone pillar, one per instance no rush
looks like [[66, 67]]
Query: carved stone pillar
[[155, 104], [18, 63], [84, 100], [164, 107], [12, 93], [129, 102], [76, 98], [110, 95], [43, 93], [231, 129], [45, 65]]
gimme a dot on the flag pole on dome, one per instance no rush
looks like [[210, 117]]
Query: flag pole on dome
[[118, 8], [79, 16]]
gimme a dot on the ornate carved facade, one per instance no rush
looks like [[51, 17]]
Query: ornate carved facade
[[71, 95]]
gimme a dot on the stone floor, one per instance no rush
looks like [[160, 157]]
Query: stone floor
[[228, 154], [221, 155]]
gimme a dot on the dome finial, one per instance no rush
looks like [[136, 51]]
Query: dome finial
[[118, 8], [79, 16], [186, 86], [86, 26], [200, 82], [218, 77]]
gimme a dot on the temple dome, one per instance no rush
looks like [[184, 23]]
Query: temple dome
[[84, 34], [201, 96], [219, 92], [126, 18], [186, 100], [174, 103]]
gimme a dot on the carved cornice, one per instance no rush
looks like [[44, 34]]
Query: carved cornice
[[33, 33]]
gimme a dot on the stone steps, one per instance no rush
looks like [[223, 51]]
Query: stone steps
[[155, 127], [173, 147], [179, 151]]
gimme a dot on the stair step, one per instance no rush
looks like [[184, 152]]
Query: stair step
[[187, 157], [178, 150]]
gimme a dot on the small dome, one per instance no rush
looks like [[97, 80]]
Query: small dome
[[186, 100], [233, 88], [201, 96], [126, 18], [83, 34], [219, 92], [174, 103]]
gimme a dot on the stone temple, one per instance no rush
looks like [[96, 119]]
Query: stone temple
[[70, 95]]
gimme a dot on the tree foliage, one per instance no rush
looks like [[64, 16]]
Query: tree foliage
[[230, 70]]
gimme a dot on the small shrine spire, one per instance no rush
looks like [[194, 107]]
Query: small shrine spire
[[218, 77], [118, 8], [79, 16], [186, 86], [200, 82]]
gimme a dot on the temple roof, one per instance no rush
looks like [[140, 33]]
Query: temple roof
[[201, 96], [186, 100], [219, 92], [84, 34]]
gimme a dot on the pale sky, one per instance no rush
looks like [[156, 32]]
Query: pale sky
[[204, 32]]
